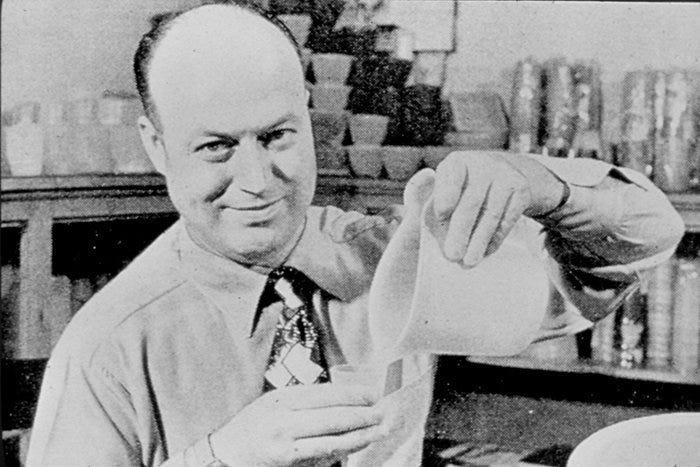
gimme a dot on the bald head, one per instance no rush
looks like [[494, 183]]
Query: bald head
[[235, 42]]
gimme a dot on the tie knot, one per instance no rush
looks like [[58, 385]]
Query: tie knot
[[288, 272], [291, 285], [284, 289]]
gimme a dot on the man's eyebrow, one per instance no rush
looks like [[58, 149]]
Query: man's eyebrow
[[291, 116], [263, 129]]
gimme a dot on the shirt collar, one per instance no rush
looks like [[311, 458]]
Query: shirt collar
[[233, 288], [332, 265]]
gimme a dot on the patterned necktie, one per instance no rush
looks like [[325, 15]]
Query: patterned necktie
[[296, 356]]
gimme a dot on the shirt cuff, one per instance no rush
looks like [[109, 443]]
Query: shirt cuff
[[622, 272]]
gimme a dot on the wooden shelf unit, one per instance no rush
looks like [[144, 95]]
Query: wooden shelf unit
[[37, 204]]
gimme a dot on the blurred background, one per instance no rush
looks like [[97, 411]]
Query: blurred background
[[396, 85]]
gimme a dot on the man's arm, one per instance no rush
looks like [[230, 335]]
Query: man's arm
[[613, 216], [614, 225], [603, 225], [84, 417]]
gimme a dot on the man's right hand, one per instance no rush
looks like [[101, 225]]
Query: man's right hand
[[301, 425]]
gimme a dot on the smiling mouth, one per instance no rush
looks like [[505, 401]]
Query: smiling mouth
[[254, 207], [258, 207], [256, 215]]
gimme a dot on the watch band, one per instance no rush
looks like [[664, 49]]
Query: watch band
[[213, 461]]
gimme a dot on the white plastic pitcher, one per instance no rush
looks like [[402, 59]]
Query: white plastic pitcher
[[420, 302]]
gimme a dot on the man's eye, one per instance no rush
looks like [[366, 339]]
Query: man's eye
[[277, 138], [214, 149], [215, 146]]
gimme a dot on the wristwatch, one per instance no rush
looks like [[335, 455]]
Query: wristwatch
[[212, 460], [201, 454]]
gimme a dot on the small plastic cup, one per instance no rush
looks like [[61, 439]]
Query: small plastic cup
[[371, 376]]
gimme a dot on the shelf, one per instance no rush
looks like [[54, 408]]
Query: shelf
[[27, 185], [688, 205], [37, 203], [52, 187], [329, 183], [92, 197], [139, 190], [590, 367]]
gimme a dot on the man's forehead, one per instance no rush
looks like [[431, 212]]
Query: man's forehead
[[230, 113], [222, 54], [219, 38], [210, 29]]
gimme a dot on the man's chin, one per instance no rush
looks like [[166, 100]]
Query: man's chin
[[260, 245], [253, 241]]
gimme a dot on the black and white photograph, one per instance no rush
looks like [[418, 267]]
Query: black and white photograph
[[349, 233]]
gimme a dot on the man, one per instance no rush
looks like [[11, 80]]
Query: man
[[175, 361]]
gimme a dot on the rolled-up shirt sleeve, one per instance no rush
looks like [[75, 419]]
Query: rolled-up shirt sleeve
[[615, 225]]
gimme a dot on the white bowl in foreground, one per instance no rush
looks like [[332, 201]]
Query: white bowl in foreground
[[658, 440]]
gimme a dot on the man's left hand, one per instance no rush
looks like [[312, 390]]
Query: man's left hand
[[478, 196]]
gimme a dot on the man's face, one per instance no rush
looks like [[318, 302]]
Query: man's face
[[239, 158]]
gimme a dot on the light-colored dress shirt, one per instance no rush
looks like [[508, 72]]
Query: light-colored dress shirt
[[167, 352]]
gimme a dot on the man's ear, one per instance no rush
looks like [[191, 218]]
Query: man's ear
[[153, 143]]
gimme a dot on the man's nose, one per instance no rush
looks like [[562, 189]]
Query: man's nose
[[252, 167]]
